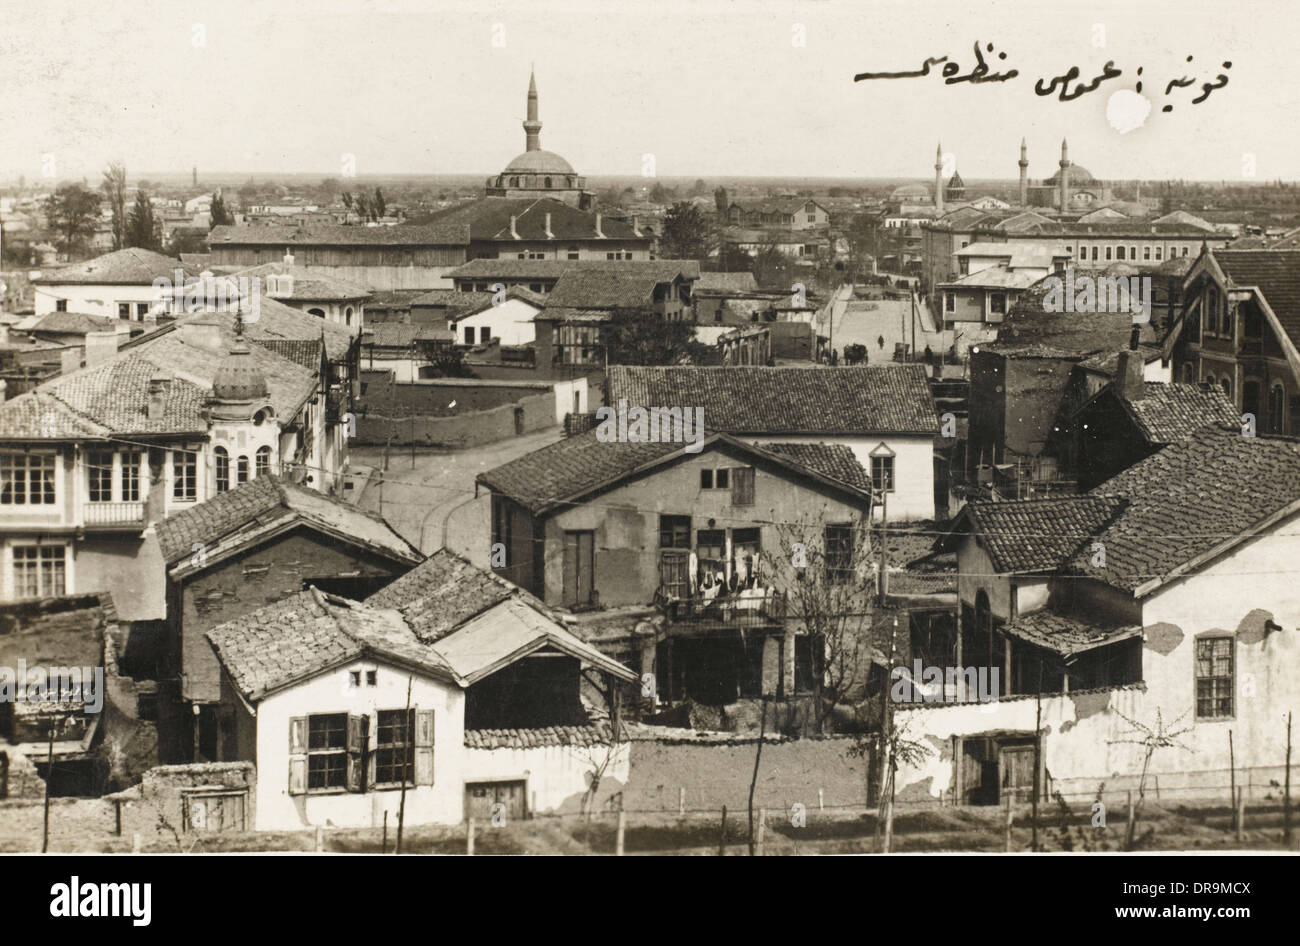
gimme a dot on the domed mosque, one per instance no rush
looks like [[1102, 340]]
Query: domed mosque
[[538, 173]]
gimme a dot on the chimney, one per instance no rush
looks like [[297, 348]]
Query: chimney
[[514, 231], [160, 385], [202, 332], [599, 233], [100, 346], [549, 234], [288, 257], [69, 360], [1128, 375]]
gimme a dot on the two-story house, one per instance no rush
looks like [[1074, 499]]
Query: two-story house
[[1159, 605], [1238, 330], [704, 530], [120, 284], [90, 460]]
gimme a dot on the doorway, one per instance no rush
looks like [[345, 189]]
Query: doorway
[[481, 799]]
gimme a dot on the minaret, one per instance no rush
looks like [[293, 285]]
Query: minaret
[[1024, 174], [938, 180], [1065, 176], [532, 126]]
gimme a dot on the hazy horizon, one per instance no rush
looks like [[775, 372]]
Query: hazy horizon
[[709, 89]]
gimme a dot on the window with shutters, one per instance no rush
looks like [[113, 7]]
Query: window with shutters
[[742, 486], [395, 747], [674, 532], [839, 552], [327, 751], [882, 474]]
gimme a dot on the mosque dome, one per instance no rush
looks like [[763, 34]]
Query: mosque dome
[[237, 377], [539, 162]]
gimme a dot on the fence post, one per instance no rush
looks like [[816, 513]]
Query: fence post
[[1241, 814], [1010, 820], [469, 837], [1286, 791], [681, 802], [821, 800], [383, 843], [320, 838], [618, 837], [758, 835], [722, 838]]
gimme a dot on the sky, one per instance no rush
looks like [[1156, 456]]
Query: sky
[[659, 87]]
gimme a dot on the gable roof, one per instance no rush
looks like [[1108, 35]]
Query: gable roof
[[74, 323], [309, 285], [726, 282], [1167, 413], [1275, 273], [565, 472], [268, 504], [442, 593], [132, 266], [603, 289], [1190, 502], [450, 233], [1068, 635], [1034, 535], [868, 400]]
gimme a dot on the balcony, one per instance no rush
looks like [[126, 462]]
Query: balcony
[[751, 607], [114, 515]]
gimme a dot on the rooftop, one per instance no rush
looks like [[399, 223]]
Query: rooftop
[[130, 267], [788, 400]]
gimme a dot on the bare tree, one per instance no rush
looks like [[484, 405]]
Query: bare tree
[[1152, 739], [114, 188], [826, 574]]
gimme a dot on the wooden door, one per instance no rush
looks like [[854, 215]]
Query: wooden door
[[1016, 764], [579, 568], [484, 800]]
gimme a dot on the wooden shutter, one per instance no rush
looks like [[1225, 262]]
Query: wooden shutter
[[298, 755], [423, 747], [742, 486], [358, 730]]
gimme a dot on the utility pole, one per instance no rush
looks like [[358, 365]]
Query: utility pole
[[49, 777]]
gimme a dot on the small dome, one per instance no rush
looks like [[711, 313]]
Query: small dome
[[238, 378], [539, 162]]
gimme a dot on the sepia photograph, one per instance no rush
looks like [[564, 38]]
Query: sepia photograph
[[721, 428]]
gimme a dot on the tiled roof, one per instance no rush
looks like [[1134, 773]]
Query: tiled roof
[[452, 299], [664, 269], [1038, 535], [74, 323], [114, 397], [566, 471], [309, 632], [603, 289], [309, 285], [1276, 273], [39, 415], [442, 593], [726, 282], [794, 400], [1066, 634], [130, 267], [403, 334], [830, 459], [266, 499], [1170, 412], [301, 351], [1188, 499], [557, 313], [598, 734], [450, 233]]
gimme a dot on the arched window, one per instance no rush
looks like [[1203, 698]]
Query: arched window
[[347, 316], [1276, 406], [241, 470], [319, 313], [1119, 252], [263, 461], [514, 182], [548, 182], [223, 469]]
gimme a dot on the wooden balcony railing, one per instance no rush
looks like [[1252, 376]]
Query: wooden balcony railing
[[749, 608]]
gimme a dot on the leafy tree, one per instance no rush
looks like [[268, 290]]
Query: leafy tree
[[220, 214], [378, 205], [662, 195], [641, 336], [143, 229], [72, 211], [774, 269], [732, 259], [686, 233], [448, 360], [114, 188]]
